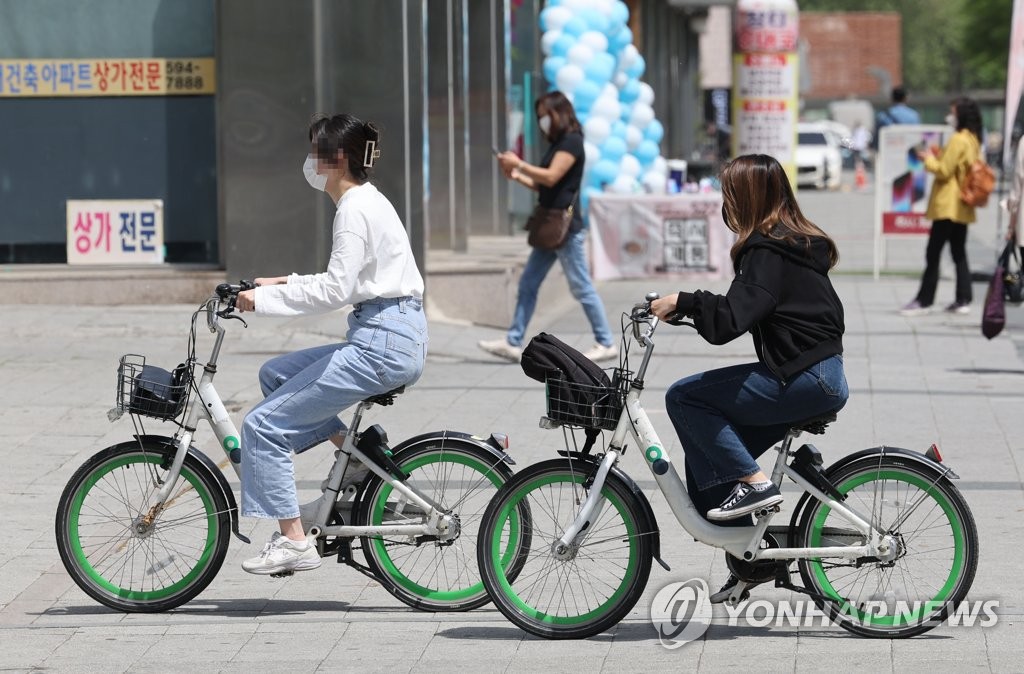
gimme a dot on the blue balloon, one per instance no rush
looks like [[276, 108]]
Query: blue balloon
[[630, 92], [646, 152], [545, 19], [601, 68], [586, 93], [613, 148], [594, 19], [618, 41], [575, 27], [605, 172], [654, 131], [562, 45], [619, 129], [620, 12], [552, 64], [637, 69]]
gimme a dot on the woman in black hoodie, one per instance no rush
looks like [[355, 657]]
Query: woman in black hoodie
[[782, 296]]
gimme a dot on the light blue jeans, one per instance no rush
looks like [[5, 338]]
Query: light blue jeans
[[574, 265], [305, 390]]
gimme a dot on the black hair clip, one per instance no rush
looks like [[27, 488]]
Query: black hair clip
[[370, 154]]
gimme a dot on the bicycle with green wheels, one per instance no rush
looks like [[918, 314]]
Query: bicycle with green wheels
[[883, 541], [144, 525]]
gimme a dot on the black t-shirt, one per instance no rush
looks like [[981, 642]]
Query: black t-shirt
[[565, 191]]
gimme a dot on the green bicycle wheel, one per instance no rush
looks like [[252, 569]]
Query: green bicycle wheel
[[935, 560], [579, 591], [428, 574], [125, 554]]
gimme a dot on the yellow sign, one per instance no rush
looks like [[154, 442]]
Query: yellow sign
[[21, 78]]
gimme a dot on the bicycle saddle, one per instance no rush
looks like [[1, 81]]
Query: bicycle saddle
[[386, 398], [815, 425]]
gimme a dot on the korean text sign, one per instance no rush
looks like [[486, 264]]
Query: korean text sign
[[122, 231], [20, 78]]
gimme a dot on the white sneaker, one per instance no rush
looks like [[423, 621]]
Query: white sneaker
[[502, 349], [281, 555], [598, 352]]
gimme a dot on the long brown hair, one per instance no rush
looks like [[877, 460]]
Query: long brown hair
[[757, 198], [564, 120]]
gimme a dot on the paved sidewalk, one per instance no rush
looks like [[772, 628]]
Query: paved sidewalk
[[913, 382]]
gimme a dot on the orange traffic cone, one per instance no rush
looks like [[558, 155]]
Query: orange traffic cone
[[861, 176]]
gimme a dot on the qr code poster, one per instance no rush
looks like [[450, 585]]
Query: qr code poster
[[686, 244]]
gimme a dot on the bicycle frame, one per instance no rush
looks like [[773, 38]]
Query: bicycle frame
[[206, 405], [741, 542]]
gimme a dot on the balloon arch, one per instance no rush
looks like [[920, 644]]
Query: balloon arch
[[591, 58]]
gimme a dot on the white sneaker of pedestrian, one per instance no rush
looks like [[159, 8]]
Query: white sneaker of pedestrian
[[598, 352], [281, 555], [502, 349]]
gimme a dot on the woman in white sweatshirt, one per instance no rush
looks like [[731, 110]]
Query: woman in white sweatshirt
[[371, 268]]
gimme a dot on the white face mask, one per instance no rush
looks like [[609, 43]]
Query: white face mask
[[315, 180], [951, 120], [545, 124]]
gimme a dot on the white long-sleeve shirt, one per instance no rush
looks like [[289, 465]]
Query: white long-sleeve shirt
[[1016, 190], [370, 258]]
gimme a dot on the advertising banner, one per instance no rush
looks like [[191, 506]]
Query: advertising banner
[[21, 78], [647, 236], [902, 185], [122, 231]]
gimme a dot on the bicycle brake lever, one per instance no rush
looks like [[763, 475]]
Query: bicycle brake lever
[[236, 317]]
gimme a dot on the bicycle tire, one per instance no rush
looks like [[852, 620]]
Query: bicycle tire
[[430, 575], [110, 553], [936, 518], [546, 598]]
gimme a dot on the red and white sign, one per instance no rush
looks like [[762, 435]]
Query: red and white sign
[[120, 231]]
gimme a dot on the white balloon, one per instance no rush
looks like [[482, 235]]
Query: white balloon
[[604, 6], [634, 137], [610, 91], [568, 78], [607, 108], [646, 94], [642, 115], [623, 184], [628, 56], [576, 5], [596, 41], [659, 165], [592, 152], [597, 129], [548, 40], [557, 17], [620, 79], [580, 54], [630, 166], [654, 182]]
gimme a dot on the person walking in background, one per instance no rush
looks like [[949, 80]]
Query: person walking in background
[[897, 113], [860, 143], [948, 213], [557, 180], [1016, 192]]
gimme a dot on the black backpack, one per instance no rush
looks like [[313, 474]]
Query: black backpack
[[579, 392]]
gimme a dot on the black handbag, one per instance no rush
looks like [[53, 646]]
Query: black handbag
[[549, 227], [1013, 281]]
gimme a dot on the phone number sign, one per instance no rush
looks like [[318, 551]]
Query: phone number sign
[[27, 78], [117, 231]]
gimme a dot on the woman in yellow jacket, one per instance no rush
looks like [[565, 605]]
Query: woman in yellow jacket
[[949, 215]]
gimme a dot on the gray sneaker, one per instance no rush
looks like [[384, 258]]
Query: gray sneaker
[[282, 555]]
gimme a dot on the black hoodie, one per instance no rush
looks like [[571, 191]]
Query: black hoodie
[[782, 296]]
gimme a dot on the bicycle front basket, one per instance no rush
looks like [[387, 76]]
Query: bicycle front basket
[[151, 391], [586, 405]]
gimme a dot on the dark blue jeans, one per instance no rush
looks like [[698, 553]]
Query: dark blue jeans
[[727, 418]]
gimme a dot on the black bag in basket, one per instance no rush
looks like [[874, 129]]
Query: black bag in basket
[[579, 391], [159, 393]]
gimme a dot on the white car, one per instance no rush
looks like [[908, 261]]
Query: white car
[[819, 162]]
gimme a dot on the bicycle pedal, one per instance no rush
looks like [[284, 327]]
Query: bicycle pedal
[[282, 574], [766, 512]]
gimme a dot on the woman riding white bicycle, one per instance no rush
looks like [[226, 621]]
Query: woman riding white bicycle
[[783, 297], [372, 268]]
